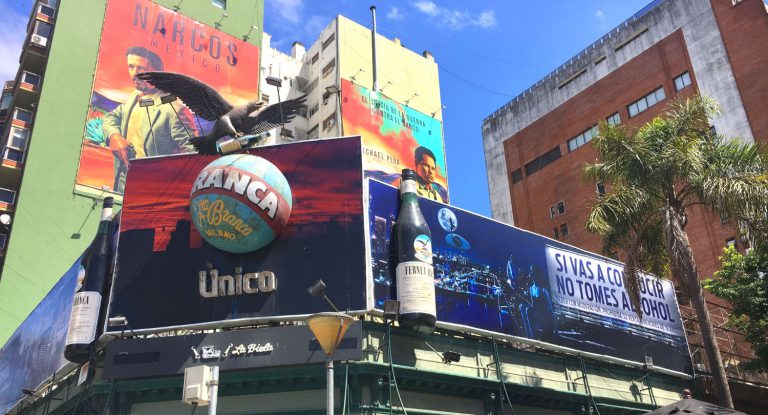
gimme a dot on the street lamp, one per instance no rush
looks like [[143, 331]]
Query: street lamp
[[334, 89], [329, 328]]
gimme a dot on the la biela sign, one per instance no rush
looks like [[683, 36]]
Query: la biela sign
[[236, 349]]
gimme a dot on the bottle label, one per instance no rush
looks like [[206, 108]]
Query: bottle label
[[106, 214], [416, 287], [85, 317], [423, 247], [408, 186]]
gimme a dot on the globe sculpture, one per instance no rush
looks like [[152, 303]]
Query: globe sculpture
[[240, 203]]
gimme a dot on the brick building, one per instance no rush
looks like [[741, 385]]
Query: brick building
[[537, 144]]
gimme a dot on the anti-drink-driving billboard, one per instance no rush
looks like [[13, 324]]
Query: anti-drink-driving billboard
[[499, 278]]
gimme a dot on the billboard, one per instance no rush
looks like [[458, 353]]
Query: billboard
[[395, 137], [495, 277], [35, 351], [167, 276], [126, 113]]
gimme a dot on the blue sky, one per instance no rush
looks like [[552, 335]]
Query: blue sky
[[487, 51]]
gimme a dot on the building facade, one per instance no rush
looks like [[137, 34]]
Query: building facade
[[537, 144], [44, 113]]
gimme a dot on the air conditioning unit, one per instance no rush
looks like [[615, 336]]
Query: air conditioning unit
[[196, 381], [39, 40]]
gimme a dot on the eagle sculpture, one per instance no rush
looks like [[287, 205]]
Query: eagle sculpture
[[251, 118]]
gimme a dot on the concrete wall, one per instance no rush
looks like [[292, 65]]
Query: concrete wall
[[612, 51]]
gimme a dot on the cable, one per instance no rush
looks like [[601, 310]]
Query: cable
[[392, 371], [346, 389], [586, 384], [194, 408], [501, 377]]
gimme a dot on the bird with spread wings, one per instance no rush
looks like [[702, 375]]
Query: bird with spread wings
[[254, 117]]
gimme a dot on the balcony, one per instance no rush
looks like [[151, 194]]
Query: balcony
[[28, 92], [7, 200], [35, 50]]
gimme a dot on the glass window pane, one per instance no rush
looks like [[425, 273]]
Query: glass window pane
[[686, 79], [632, 110], [3, 238], [650, 100], [31, 78], [43, 29], [23, 115], [7, 196], [642, 105], [572, 144], [18, 139], [679, 83], [14, 155], [660, 94]]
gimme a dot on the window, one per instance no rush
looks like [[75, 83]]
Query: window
[[541, 161], [222, 4], [564, 230], [517, 176], [3, 239], [614, 119], [7, 196], [286, 133], [13, 155], [22, 115], [46, 10], [312, 133], [5, 101], [18, 138], [552, 211], [328, 69], [43, 29], [303, 111], [556, 233], [313, 109], [30, 78], [312, 85], [582, 139], [682, 81], [560, 207], [327, 42], [600, 187], [315, 58], [329, 122], [646, 102]]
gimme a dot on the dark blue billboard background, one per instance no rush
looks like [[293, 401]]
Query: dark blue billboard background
[[36, 349], [164, 266], [499, 278]]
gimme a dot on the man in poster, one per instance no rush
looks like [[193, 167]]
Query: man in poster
[[425, 170], [162, 129]]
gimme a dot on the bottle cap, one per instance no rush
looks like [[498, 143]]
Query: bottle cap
[[108, 201], [408, 174]]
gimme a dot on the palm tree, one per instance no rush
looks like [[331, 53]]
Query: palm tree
[[657, 173]]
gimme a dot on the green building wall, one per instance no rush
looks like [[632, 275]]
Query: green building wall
[[53, 223]]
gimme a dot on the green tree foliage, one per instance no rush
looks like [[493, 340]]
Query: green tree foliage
[[743, 281], [657, 173]]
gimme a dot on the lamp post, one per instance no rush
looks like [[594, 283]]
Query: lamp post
[[335, 90], [329, 328]]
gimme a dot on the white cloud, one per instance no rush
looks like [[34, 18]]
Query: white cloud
[[456, 19], [602, 20], [487, 19], [427, 7], [289, 10], [395, 14], [12, 34]]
